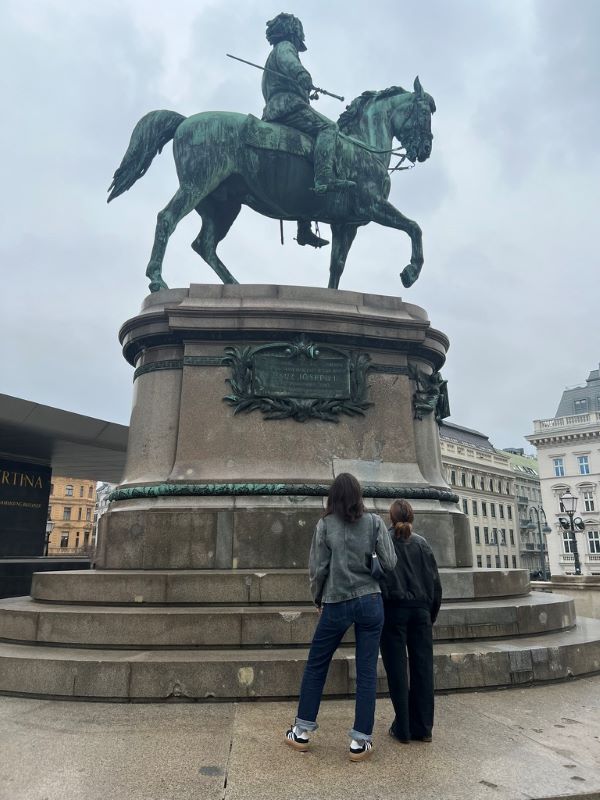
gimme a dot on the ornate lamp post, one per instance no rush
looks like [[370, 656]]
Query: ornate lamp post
[[49, 526], [569, 504], [545, 530]]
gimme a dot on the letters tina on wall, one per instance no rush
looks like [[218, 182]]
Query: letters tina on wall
[[299, 380]]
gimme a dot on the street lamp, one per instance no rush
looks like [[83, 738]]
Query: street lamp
[[569, 504], [545, 530], [49, 526]]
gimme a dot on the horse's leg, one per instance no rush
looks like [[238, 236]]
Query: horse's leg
[[386, 214], [183, 201], [217, 219], [343, 236]]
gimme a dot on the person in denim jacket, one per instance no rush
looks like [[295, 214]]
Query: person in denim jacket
[[345, 593]]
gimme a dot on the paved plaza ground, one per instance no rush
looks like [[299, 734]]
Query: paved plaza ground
[[537, 742]]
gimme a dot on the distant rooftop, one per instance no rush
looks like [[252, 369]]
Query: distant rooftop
[[456, 433], [581, 399], [520, 462]]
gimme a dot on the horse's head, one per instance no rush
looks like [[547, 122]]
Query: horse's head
[[411, 123]]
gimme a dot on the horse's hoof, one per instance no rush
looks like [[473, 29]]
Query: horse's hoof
[[157, 285], [409, 275]]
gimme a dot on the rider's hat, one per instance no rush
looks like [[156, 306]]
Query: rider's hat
[[283, 28]]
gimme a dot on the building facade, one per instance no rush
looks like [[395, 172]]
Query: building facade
[[484, 480], [568, 448], [71, 510], [531, 514]]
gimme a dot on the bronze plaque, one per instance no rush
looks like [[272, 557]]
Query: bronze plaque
[[278, 375]]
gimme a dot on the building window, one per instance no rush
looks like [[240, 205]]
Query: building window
[[503, 536], [501, 510], [67, 512], [486, 535], [493, 510], [68, 490], [86, 539], [514, 562], [494, 535], [479, 562], [477, 537], [509, 512], [505, 562], [474, 506], [588, 501], [488, 562], [497, 561], [453, 478], [481, 483], [463, 479], [484, 508], [77, 539], [51, 488], [465, 506], [594, 541], [491, 485], [567, 542], [88, 514], [64, 540], [49, 512], [79, 510], [584, 465], [580, 406], [512, 537], [90, 491], [559, 467], [472, 481], [81, 491]]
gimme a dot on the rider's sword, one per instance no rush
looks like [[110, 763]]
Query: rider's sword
[[281, 75]]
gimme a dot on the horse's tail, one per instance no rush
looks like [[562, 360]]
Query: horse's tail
[[149, 137]]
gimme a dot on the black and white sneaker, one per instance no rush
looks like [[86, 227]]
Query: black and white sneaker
[[297, 742], [362, 752]]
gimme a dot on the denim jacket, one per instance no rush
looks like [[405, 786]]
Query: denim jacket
[[339, 566]]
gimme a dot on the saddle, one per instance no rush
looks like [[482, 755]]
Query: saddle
[[273, 136]]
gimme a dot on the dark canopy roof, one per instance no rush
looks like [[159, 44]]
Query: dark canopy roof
[[71, 444]]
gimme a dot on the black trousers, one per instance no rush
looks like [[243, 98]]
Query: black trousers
[[406, 644]]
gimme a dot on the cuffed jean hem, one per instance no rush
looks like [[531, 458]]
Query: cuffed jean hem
[[360, 737], [305, 725]]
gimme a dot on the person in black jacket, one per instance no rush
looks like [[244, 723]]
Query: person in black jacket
[[412, 594]]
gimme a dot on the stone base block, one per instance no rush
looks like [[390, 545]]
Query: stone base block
[[274, 534]]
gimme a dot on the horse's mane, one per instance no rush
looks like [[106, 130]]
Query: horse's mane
[[356, 107]]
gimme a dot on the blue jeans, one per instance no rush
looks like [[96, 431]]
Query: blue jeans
[[366, 613]]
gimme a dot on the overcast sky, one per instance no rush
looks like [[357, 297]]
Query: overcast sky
[[508, 201]]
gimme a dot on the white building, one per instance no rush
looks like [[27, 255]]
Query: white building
[[533, 524], [103, 491], [484, 481], [568, 447]]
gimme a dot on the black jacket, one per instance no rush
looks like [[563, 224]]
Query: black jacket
[[415, 581]]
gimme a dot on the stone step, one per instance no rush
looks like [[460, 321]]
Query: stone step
[[157, 675], [26, 620], [239, 586]]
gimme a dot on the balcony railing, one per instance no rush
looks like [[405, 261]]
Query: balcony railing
[[593, 557], [574, 421], [71, 551]]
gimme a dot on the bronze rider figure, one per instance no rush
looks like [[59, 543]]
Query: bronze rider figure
[[288, 102]]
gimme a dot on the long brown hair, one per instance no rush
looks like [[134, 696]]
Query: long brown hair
[[345, 498], [402, 517]]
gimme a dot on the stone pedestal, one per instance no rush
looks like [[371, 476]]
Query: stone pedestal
[[200, 589], [210, 485]]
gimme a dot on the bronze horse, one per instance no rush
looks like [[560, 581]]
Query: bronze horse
[[225, 160]]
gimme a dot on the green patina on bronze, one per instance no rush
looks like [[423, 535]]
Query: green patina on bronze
[[277, 489], [299, 380], [295, 164], [431, 394]]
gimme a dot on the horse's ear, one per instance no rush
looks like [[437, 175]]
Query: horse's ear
[[417, 87]]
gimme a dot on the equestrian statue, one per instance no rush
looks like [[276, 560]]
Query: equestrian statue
[[295, 164]]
